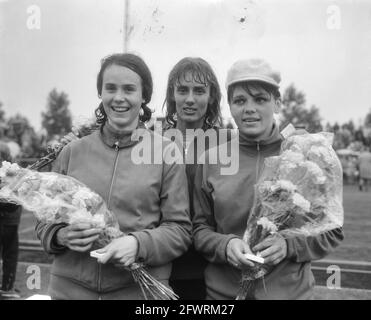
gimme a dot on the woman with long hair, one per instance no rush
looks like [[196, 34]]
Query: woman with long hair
[[192, 103]]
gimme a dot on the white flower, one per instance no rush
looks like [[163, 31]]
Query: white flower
[[304, 142], [83, 125], [80, 216], [301, 202], [320, 155], [8, 168], [78, 203], [267, 225], [292, 156], [315, 171], [283, 184], [83, 193], [98, 221]]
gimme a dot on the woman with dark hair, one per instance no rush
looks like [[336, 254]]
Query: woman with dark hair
[[192, 102], [136, 64], [222, 203], [149, 200]]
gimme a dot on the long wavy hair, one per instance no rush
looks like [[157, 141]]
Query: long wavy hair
[[202, 73], [136, 64]]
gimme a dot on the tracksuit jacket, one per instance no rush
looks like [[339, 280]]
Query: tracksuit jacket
[[150, 202], [222, 204]]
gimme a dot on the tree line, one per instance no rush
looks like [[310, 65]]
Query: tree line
[[57, 121], [347, 135]]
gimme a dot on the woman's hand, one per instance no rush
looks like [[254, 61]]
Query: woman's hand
[[236, 248], [78, 237], [274, 249], [121, 251]]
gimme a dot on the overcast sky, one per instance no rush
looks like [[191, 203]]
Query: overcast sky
[[323, 47]]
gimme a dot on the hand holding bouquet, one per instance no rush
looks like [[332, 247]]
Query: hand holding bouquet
[[55, 198], [298, 193]]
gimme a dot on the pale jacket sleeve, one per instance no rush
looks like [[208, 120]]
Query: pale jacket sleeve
[[303, 248], [208, 241], [46, 232], [173, 235]]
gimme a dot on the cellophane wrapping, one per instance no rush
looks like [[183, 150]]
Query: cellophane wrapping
[[57, 198], [298, 193]]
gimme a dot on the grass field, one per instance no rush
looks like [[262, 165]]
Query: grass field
[[357, 226]]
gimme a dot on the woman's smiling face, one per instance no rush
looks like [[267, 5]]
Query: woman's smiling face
[[121, 96], [253, 112]]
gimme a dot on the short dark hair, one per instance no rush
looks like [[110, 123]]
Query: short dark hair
[[202, 73], [248, 85], [136, 64]]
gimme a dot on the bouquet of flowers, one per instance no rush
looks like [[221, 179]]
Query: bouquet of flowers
[[56, 198], [298, 193]]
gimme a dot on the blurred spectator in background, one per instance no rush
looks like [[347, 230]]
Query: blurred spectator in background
[[350, 170], [21, 133], [344, 165], [10, 215], [13, 147], [364, 163], [349, 163]]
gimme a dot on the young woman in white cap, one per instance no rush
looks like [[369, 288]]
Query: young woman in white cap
[[222, 202]]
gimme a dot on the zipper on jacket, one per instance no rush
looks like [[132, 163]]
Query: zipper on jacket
[[253, 286], [257, 163], [99, 279], [113, 173], [108, 204]]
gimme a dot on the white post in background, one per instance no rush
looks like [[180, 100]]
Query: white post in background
[[126, 26]]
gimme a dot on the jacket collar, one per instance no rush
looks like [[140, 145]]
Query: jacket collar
[[273, 137], [121, 138]]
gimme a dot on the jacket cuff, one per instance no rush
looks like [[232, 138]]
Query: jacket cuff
[[50, 242], [142, 251], [222, 248], [291, 248]]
